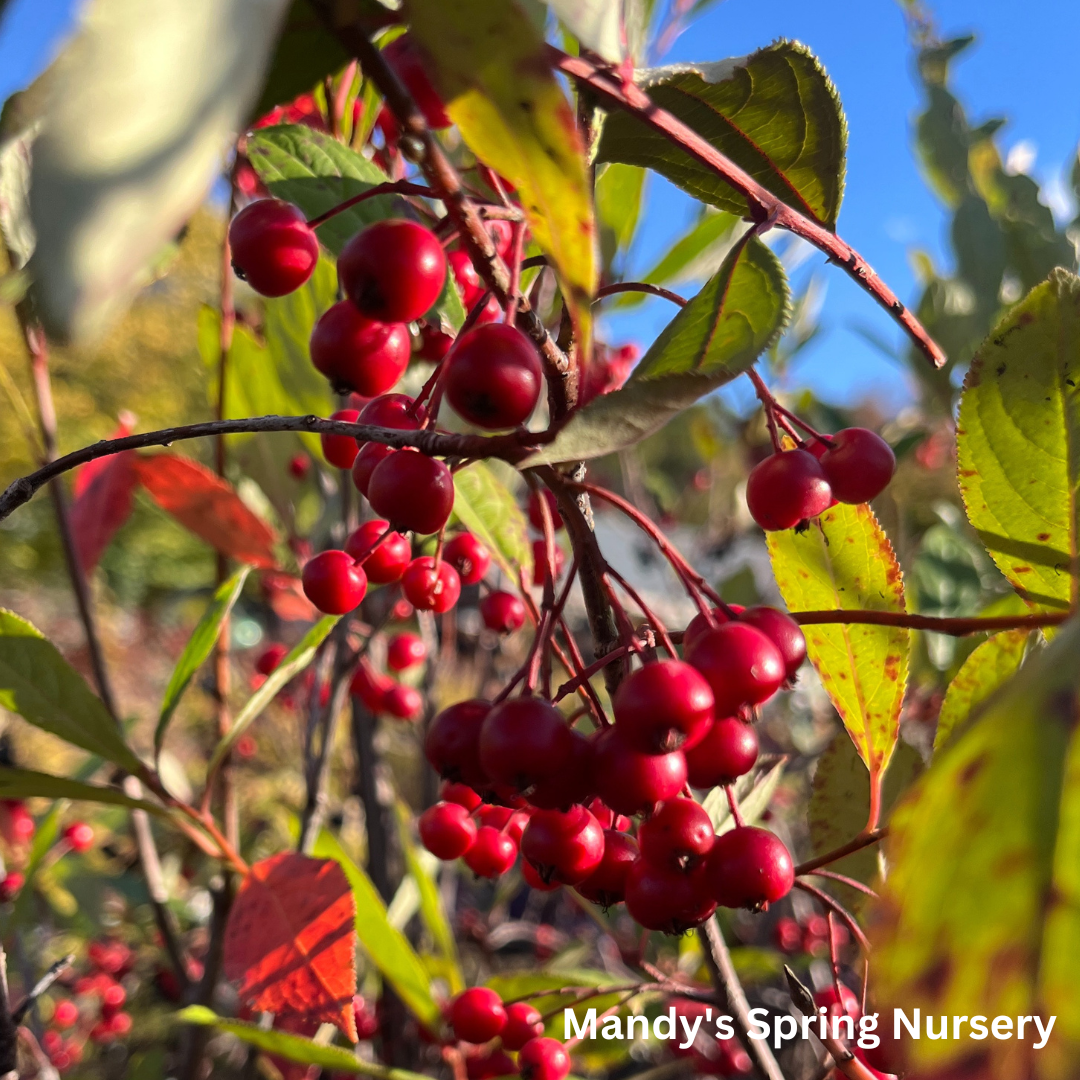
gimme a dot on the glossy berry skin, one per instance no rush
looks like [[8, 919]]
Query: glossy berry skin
[[563, 846], [477, 1015], [787, 488], [364, 464], [270, 658], [393, 271], [341, 450], [11, 885], [333, 582], [272, 246], [397, 411], [468, 280], [669, 900], [429, 587], [357, 353], [523, 1023], [502, 612], [698, 625], [606, 885], [783, 631], [386, 563], [405, 651], [452, 744], [726, 753], [80, 836], [413, 491], [677, 836], [536, 517], [492, 853], [407, 60], [447, 830], [402, 702], [468, 557], [631, 782], [462, 794], [493, 378], [858, 465], [573, 783], [664, 706], [523, 742], [741, 665], [543, 1059], [749, 867]]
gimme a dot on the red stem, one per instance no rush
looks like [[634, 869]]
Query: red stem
[[393, 187]]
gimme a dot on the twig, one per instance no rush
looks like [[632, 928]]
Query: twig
[[835, 905], [641, 287], [55, 971], [857, 843], [955, 627], [851, 883], [845, 1060]]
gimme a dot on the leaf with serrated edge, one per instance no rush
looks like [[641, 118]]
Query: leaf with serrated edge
[[27, 784], [844, 561], [1016, 439], [980, 912], [739, 313], [43, 688], [488, 509], [751, 795], [775, 113]]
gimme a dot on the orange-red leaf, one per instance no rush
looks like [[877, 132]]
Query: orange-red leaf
[[285, 595], [208, 506], [291, 941], [84, 474], [102, 504]]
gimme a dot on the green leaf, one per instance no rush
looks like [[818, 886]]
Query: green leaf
[[298, 658], [293, 1047], [488, 509], [752, 794], [619, 191], [139, 110], [43, 688], [1017, 437], [597, 24], [980, 912], [991, 665], [387, 946], [198, 648], [844, 561], [27, 784], [775, 114], [718, 335]]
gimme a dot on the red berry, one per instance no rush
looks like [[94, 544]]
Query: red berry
[[11, 885], [664, 706], [333, 582], [405, 651], [498, 817], [369, 686], [367, 1021], [785, 489], [677, 836], [536, 517], [413, 490], [120, 1024], [65, 1014], [502, 612], [393, 271], [673, 901], [493, 378], [341, 450], [397, 411], [524, 741], [468, 280], [858, 465], [573, 783], [356, 353], [563, 846], [113, 997], [540, 567], [434, 344], [531, 876], [492, 853], [631, 782], [740, 663], [386, 563], [452, 744], [488, 1065], [749, 867], [51, 1041], [606, 885], [699, 624], [246, 746], [844, 1004], [364, 464], [543, 1059], [783, 631], [299, 466], [462, 794], [468, 557], [407, 59], [523, 1023], [477, 1015], [431, 588], [726, 753], [273, 248], [447, 830], [788, 935], [403, 702], [270, 659], [80, 836]]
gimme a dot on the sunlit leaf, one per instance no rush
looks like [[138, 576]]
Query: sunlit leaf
[[488, 509], [102, 507], [752, 795], [27, 784]]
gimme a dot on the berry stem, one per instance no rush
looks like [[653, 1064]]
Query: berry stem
[[835, 905], [393, 187], [768, 403], [641, 287], [733, 805], [856, 844], [851, 883], [654, 619]]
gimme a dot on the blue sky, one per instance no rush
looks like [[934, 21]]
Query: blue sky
[[1022, 67]]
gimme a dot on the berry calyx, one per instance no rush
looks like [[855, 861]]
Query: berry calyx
[[749, 867], [468, 556], [407, 59], [272, 246], [341, 450], [447, 830], [356, 353], [523, 742], [606, 885], [393, 271], [673, 901], [502, 612], [632, 782], [536, 517], [677, 836], [741, 665], [858, 465], [492, 853], [563, 846], [477, 1015], [543, 1059], [80, 836], [493, 377], [405, 651], [787, 488], [523, 1022], [333, 582], [664, 706], [385, 563], [452, 744], [429, 587], [413, 491], [727, 752]]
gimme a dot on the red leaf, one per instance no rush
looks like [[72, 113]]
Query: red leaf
[[208, 506], [102, 506], [291, 940], [285, 595], [84, 474]]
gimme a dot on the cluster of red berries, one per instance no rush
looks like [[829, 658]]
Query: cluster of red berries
[[77, 837], [791, 486]]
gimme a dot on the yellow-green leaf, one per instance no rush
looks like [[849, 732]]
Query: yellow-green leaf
[[488, 509]]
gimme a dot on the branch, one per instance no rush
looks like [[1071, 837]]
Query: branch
[[864, 839], [958, 627], [763, 204]]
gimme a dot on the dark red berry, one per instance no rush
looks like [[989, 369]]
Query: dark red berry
[[477, 1015], [429, 587], [673, 901], [270, 659], [543, 1059], [272, 246], [341, 450], [573, 783], [393, 271], [632, 782], [367, 1021], [434, 343], [563, 846], [531, 876], [492, 853], [452, 744], [699, 624], [397, 411], [333, 582], [468, 556], [356, 353], [11, 885], [536, 518], [405, 651], [447, 830], [783, 631], [408, 61], [858, 465], [523, 1023], [80, 836], [489, 1064], [385, 563], [493, 377], [726, 753], [787, 488], [677, 836], [402, 702], [462, 794], [740, 663], [502, 612], [369, 686], [524, 741], [364, 464], [413, 490], [540, 566], [606, 885], [664, 706], [299, 466], [749, 867]]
